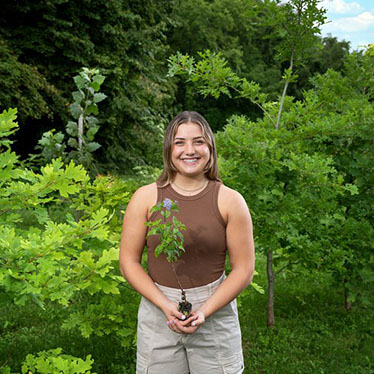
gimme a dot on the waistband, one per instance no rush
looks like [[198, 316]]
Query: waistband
[[193, 295]]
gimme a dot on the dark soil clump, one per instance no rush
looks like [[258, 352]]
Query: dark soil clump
[[185, 307]]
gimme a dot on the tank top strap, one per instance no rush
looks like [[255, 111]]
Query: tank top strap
[[216, 188], [159, 193]]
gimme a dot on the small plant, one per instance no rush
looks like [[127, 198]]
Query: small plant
[[53, 361], [171, 241], [84, 109], [79, 145]]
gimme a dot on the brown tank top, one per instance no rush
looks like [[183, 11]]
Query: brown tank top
[[204, 240]]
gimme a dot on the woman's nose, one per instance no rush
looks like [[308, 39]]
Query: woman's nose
[[190, 149]]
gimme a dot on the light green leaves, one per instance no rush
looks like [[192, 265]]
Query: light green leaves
[[55, 361]]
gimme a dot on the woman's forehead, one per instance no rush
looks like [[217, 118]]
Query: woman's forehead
[[189, 129]]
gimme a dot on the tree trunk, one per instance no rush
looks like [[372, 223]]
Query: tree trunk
[[80, 132], [284, 92], [347, 304], [270, 273]]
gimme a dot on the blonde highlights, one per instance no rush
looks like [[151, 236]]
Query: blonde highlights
[[169, 171]]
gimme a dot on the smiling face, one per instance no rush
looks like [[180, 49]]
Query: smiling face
[[190, 150]]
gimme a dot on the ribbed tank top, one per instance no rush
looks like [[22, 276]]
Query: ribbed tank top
[[204, 240]]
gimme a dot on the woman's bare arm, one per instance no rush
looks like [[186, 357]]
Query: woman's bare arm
[[131, 249], [239, 237]]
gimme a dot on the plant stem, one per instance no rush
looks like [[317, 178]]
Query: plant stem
[[180, 286]]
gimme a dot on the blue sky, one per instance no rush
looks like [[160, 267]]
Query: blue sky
[[351, 20]]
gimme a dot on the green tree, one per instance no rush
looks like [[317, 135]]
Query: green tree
[[237, 30], [251, 36], [343, 130], [212, 77], [50, 40], [59, 242]]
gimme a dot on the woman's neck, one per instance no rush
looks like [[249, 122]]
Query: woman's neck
[[186, 185]]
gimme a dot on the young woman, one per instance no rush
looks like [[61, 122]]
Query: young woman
[[217, 220]]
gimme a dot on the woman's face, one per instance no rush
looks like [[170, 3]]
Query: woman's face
[[190, 151]]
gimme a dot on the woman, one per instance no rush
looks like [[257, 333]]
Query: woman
[[217, 220]]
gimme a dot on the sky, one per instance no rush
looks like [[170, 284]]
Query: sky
[[351, 20]]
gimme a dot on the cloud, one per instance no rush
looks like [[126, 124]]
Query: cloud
[[362, 22], [341, 7]]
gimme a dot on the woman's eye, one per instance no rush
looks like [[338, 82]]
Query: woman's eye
[[178, 143]]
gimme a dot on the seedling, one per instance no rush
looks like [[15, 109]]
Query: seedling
[[171, 241]]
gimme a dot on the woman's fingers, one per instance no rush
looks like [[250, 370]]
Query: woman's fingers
[[171, 311], [178, 322], [191, 324]]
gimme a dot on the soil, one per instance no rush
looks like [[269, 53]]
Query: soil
[[185, 307]]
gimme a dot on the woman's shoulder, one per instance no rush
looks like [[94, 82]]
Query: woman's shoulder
[[145, 196], [146, 189], [229, 195], [230, 201]]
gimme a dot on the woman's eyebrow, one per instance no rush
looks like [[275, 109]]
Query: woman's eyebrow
[[196, 137]]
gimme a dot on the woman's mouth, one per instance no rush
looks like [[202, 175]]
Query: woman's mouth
[[189, 160]]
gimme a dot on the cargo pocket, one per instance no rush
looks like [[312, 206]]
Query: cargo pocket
[[233, 364]]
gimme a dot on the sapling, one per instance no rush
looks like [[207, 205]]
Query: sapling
[[171, 241]]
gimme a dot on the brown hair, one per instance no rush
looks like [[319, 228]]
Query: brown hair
[[169, 170]]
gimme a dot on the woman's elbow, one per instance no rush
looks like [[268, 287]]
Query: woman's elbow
[[125, 266], [249, 274]]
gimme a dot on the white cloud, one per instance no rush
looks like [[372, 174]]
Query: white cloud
[[362, 22], [341, 7]]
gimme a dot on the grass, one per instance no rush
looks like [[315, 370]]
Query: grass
[[313, 332]]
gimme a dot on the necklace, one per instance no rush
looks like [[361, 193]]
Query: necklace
[[194, 190]]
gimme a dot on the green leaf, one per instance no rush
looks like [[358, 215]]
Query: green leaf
[[78, 96], [99, 97], [92, 146], [92, 109], [99, 79], [79, 81]]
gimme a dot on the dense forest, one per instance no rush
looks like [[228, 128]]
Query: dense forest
[[87, 89]]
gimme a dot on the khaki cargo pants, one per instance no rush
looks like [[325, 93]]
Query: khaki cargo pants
[[215, 348]]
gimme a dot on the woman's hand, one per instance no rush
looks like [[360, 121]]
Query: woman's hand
[[173, 315], [190, 325]]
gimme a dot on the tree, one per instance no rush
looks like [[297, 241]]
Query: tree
[[331, 129], [343, 130], [49, 41], [212, 77], [59, 243]]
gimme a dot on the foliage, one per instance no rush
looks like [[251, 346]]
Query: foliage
[[342, 128], [53, 361], [84, 109], [82, 132], [171, 237], [235, 29], [51, 146], [250, 36], [44, 43], [288, 191], [23, 85], [53, 39], [310, 173], [329, 54], [300, 22], [59, 240]]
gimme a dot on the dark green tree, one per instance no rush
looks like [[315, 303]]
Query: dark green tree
[[250, 36], [47, 42]]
